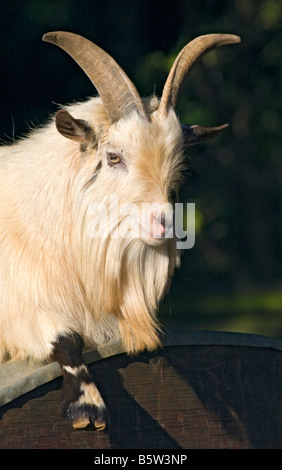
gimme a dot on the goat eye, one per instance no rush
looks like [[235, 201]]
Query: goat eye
[[114, 159]]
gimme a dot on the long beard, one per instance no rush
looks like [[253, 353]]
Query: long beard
[[126, 278]]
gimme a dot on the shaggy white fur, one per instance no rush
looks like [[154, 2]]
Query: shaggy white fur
[[55, 278]]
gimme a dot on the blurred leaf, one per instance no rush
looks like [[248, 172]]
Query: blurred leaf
[[270, 15]]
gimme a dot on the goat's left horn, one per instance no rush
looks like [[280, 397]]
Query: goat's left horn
[[116, 90], [185, 60]]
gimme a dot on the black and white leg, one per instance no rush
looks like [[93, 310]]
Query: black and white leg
[[81, 401]]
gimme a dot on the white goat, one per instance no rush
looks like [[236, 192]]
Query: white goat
[[60, 287]]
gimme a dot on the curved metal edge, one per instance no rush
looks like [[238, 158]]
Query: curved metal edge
[[25, 376], [220, 338], [18, 378]]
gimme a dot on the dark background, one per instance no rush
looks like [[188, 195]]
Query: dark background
[[231, 279]]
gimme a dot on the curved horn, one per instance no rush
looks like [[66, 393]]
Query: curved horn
[[184, 61], [116, 90]]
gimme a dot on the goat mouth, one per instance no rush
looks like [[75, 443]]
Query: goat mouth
[[152, 229], [155, 231]]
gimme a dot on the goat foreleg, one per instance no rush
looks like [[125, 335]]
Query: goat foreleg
[[81, 400]]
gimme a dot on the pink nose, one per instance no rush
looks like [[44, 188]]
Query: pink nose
[[160, 225], [159, 222]]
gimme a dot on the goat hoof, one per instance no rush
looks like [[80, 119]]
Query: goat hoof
[[84, 422], [81, 423], [99, 425], [83, 417]]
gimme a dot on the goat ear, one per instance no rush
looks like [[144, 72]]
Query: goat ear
[[74, 129], [196, 134]]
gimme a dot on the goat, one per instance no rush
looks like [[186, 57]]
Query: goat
[[62, 289]]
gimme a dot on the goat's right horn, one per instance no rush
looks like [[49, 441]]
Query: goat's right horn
[[116, 90], [183, 63]]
